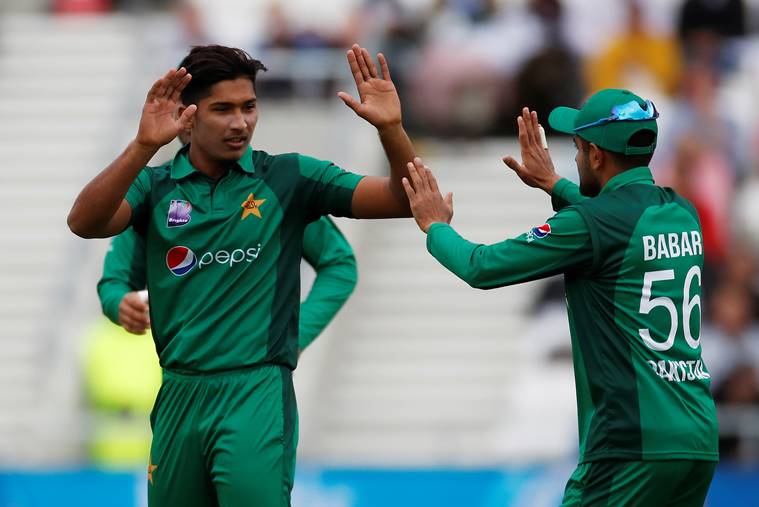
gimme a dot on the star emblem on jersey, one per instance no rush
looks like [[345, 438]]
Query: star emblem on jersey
[[251, 206], [151, 469]]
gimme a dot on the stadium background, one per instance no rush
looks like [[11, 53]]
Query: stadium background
[[422, 391]]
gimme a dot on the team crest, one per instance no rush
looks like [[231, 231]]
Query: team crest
[[538, 232], [179, 213], [251, 206]]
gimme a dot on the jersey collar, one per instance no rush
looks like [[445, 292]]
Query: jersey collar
[[635, 175], [181, 166]]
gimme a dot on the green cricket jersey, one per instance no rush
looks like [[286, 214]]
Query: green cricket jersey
[[632, 260], [223, 257], [324, 248]]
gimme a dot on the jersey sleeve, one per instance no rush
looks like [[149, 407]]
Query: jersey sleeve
[[565, 193], [326, 188], [331, 256], [562, 244], [138, 198], [123, 271]]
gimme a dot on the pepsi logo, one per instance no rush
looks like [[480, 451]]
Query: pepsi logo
[[541, 231], [180, 260]]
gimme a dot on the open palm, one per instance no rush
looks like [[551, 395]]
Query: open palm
[[159, 123], [378, 99]]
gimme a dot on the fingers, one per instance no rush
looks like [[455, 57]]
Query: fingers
[[358, 77], [410, 193], [431, 180], [416, 172], [177, 92], [369, 63], [449, 201], [384, 67], [358, 52], [349, 101]]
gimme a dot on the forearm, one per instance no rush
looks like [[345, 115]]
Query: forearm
[[332, 288], [111, 292], [399, 152], [100, 199], [509, 262]]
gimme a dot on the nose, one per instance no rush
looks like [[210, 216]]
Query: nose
[[239, 122]]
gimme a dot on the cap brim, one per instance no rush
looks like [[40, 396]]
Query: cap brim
[[563, 119]]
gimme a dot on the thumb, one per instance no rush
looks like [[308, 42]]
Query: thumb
[[512, 163], [349, 101], [187, 115]]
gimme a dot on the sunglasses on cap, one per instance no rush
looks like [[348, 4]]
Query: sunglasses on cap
[[630, 111]]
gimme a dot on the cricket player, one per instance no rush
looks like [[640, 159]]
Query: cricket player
[[223, 227], [631, 254]]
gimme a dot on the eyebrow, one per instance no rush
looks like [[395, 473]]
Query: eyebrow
[[227, 103]]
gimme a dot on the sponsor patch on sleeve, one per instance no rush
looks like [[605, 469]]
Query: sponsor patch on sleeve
[[538, 232]]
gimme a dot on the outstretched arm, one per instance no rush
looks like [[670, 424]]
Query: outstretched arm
[[377, 197], [100, 209], [561, 244]]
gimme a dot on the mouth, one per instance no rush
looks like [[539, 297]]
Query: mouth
[[236, 142]]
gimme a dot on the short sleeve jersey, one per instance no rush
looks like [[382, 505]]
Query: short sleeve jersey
[[223, 256], [632, 260]]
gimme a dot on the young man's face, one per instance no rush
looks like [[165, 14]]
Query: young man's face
[[224, 122], [589, 186]]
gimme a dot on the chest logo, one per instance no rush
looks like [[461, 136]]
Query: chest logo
[[539, 232], [179, 213], [251, 206], [180, 260]]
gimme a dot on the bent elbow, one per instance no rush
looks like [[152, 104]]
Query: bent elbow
[[77, 228]]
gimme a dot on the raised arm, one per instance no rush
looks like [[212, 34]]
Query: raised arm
[[100, 209], [380, 197]]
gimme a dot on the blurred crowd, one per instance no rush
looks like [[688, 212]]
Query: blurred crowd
[[464, 68]]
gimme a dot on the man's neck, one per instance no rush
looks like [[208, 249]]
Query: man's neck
[[214, 169]]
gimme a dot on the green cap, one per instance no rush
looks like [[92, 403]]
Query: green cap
[[609, 119]]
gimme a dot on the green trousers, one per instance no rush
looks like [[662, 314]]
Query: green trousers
[[224, 439], [675, 483]]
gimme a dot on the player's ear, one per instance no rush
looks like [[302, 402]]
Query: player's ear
[[595, 156]]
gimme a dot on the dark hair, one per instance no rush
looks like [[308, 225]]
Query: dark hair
[[640, 138], [210, 64]]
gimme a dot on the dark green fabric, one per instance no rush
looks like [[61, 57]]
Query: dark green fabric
[[331, 256], [675, 483], [123, 272]]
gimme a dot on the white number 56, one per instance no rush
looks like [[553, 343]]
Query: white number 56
[[647, 304]]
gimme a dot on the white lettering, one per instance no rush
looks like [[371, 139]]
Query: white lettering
[[222, 256], [696, 240], [649, 250], [686, 245], [674, 247], [663, 247], [679, 371]]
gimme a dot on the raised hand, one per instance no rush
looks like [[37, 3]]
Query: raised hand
[[427, 204], [378, 99], [536, 169], [159, 124]]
